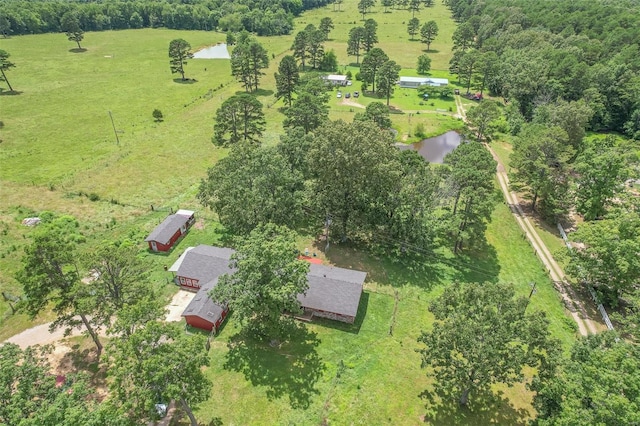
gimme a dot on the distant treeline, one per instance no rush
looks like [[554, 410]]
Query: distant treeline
[[579, 49], [263, 17]]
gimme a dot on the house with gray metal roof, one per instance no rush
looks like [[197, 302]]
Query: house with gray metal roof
[[333, 292], [204, 313], [164, 236], [200, 264]]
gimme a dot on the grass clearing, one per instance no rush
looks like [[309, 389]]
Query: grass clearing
[[58, 147]]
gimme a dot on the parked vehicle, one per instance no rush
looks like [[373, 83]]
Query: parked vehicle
[[339, 95], [348, 95], [356, 94]]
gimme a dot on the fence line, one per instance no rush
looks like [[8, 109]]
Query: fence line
[[594, 296]]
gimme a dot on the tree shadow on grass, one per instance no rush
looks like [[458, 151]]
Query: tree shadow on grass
[[484, 408], [430, 51], [76, 50], [84, 360], [185, 81], [256, 93], [4, 92], [343, 326], [290, 369], [480, 265]]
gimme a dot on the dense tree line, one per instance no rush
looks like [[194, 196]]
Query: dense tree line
[[534, 53], [262, 18]]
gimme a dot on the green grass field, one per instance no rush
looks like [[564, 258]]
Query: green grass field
[[58, 146]]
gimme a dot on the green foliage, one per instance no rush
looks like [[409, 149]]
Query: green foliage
[[179, 52], [386, 78], [252, 186], [157, 363], [248, 59], [378, 113], [364, 6], [267, 279], [356, 42], [597, 385], [413, 27], [325, 27], [351, 186], [469, 182], [239, 119], [372, 61], [308, 112], [287, 78], [484, 335], [428, 33], [5, 65], [481, 116], [424, 64], [600, 169], [609, 260], [31, 397], [540, 156], [157, 115], [370, 37], [329, 62], [70, 24]]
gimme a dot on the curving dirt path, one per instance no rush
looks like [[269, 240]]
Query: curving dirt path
[[569, 298]]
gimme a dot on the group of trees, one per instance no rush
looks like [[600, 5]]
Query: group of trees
[[308, 47], [371, 188], [533, 54], [104, 291], [248, 59], [362, 39], [262, 18]]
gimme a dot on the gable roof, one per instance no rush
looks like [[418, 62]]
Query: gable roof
[[424, 80], [204, 262], [163, 232], [202, 306], [333, 289]]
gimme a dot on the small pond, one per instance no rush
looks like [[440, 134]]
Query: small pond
[[434, 149], [219, 51]]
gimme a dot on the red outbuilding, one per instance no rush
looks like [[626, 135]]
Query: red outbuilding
[[203, 312], [164, 236]]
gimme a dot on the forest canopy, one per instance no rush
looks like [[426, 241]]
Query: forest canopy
[[263, 18]]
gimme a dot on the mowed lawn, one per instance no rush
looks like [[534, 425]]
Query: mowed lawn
[[58, 141]]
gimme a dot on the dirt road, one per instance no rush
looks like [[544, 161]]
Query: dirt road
[[569, 298]]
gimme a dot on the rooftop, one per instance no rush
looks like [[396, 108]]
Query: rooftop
[[202, 306], [163, 232]]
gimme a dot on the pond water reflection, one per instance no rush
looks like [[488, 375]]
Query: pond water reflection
[[434, 149]]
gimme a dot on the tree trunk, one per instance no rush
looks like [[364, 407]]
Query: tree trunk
[[4, 77], [464, 398], [93, 334], [535, 199], [78, 43], [187, 410]]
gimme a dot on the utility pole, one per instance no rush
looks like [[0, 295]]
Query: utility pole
[[115, 132]]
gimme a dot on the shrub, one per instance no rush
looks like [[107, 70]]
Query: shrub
[[94, 197], [419, 132]]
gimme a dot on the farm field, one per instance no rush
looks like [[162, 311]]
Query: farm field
[[59, 153]]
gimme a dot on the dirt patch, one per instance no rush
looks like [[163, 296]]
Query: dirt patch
[[352, 103], [178, 304]]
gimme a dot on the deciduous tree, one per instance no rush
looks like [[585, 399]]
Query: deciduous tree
[[539, 167], [378, 113], [267, 279], [600, 173], [239, 118], [179, 53], [480, 116], [414, 6], [287, 78], [252, 186], [608, 257], [596, 385], [483, 335], [158, 363], [348, 185], [386, 78], [428, 33], [424, 64], [5, 65], [70, 24], [50, 275], [308, 112]]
